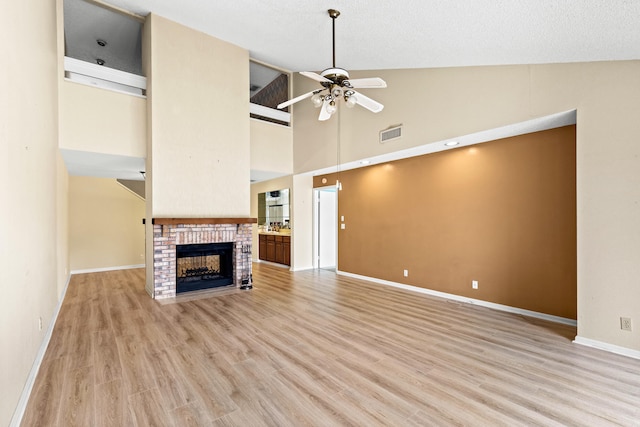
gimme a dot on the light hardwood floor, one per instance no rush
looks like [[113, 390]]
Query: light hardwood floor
[[316, 349]]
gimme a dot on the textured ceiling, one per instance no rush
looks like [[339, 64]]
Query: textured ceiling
[[385, 34]]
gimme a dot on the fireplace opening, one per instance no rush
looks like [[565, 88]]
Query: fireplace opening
[[203, 266]]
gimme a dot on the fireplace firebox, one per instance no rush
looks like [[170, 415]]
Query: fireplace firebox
[[203, 266]]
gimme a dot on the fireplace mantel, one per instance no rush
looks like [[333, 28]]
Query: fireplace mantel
[[176, 221]]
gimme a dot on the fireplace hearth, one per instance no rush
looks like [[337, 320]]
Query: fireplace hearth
[[204, 266]]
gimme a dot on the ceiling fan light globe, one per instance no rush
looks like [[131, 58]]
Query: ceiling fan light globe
[[351, 101], [331, 107], [316, 100], [337, 92]]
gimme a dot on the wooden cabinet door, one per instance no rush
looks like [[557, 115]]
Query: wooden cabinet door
[[287, 252], [279, 250], [271, 251], [262, 247]]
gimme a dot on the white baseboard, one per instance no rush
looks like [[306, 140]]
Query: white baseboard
[[301, 269], [16, 420], [453, 297], [98, 270], [611, 348], [291, 268]]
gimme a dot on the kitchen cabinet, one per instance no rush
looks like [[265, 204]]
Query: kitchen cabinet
[[274, 248]]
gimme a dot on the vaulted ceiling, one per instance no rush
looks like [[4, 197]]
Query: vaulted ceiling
[[390, 34], [383, 34]]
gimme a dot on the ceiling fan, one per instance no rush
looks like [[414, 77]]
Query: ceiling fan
[[336, 84]]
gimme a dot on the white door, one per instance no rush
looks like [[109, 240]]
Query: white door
[[326, 227]]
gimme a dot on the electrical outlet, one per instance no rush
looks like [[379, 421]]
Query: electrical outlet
[[406, 273], [625, 323], [474, 284], [39, 323]]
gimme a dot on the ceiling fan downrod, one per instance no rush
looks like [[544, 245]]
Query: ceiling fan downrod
[[334, 15]]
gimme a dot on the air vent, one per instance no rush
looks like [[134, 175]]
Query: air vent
[[390, 134]]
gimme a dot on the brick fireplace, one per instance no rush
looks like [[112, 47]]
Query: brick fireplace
[[170, 232]]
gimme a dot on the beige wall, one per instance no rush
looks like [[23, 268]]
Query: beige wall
[[314, 142], [302, 210], [199, 155], [102, 121], [271, 147], [105, 224], [62, 210], [436, 104], [28, 190]]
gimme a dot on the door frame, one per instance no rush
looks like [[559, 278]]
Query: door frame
[[316, 223]]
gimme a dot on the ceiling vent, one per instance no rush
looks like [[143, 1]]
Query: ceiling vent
[[390, 134]]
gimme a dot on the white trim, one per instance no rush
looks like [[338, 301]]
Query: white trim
[[611, 348], [104, 73], [552, 121], [294, 270], [261, 110], [103, 84], [500, 307], [18, 414], [98, 270]]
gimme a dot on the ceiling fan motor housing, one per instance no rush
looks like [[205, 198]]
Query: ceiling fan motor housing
[[336, 75]]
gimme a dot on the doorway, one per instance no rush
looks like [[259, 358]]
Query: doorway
[[325, 228]]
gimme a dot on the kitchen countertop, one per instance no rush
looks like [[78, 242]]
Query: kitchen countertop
[[276, 233]]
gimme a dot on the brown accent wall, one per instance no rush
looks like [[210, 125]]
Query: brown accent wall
[[502, 213]]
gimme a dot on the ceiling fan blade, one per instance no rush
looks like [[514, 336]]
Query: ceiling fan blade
[[324, 114], [366, 83], [368, 103], [315, 76], [298, 98]]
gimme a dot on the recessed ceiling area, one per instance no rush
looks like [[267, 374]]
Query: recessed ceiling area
[[101, 165], [101, 36]]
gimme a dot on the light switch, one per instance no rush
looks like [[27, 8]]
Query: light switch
[[343, 226]]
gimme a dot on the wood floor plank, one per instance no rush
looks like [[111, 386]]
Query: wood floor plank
[[44, 404], [112, 409], [170, 382], [146, 410], [200, 383], [318, 349], [137, 370], [77, 398], [106, 360], [191, 415]]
